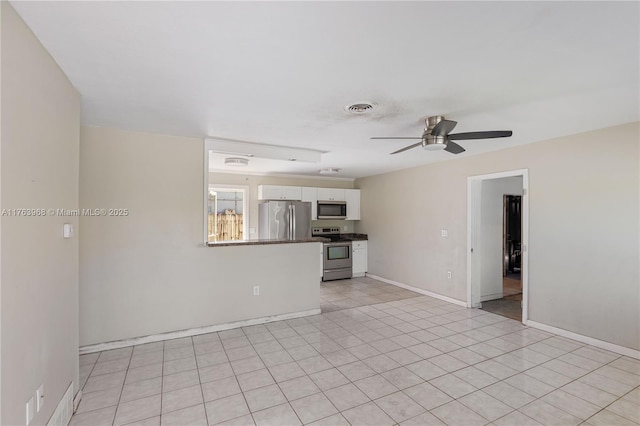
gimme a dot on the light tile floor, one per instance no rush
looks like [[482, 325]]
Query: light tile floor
[[356, 292], [414, 360]]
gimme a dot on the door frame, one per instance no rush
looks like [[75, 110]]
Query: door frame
[[474, 196]]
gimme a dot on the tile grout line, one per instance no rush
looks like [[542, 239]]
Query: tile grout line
[[195, 356], [123, 384]]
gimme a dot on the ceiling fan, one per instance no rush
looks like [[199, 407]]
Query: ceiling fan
[[436, 136]]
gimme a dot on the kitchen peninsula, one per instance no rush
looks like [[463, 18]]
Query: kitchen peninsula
[[236, 284]]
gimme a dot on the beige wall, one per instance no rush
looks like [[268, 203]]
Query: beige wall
[[584, 228], [39, 275], [149, 272]]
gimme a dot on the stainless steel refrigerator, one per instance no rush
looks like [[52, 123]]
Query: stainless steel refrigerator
[[289, 220]]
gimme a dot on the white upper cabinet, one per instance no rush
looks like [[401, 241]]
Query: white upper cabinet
[[274, 192], [331, 194], [310, 194], [352, 197]]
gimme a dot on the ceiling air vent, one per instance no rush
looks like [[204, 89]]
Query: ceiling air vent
[[359, 107]]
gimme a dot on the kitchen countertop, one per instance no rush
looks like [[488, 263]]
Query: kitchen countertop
[[266, 242]]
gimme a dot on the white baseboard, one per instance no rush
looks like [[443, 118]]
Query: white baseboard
[[62, 415], [586, 339], [419, 290], [76, 400], [98, 347]]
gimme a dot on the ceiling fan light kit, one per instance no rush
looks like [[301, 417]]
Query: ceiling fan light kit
[[437, 137], [434, 146]]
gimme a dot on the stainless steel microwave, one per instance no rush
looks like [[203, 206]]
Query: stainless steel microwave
[[332, 210]]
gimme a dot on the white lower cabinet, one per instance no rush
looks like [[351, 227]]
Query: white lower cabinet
[[359, 258], [321, 261]]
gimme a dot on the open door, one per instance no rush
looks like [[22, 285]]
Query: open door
[[497, 234], [474, 192]]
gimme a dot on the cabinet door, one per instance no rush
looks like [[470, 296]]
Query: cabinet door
[[353, 204], [359, 258], [269, 192], [292, 193], [311, 195], [331, 194], [275, 192]]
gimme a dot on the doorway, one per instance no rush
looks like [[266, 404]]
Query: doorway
[[497, 243], [510, 302]]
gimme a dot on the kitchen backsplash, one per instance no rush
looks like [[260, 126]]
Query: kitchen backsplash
[[344, 225]]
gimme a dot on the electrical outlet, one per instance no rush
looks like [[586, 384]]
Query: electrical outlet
[[39, 398], [29, 413], [256, 290], [449, 274]]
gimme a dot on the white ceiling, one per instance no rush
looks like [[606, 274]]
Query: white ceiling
[[281, 72]]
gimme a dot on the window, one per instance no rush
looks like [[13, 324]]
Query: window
[[226, 207]]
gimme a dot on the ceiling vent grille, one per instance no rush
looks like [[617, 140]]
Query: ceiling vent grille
[[359, 107]]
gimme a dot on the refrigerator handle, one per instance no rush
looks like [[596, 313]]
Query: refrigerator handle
[[290, 222], [293, 236]]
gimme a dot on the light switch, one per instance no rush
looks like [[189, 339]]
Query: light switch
[[252, 231], [67, 230], [444, 233]]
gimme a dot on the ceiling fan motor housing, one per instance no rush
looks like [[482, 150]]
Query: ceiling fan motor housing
[[430, 142]]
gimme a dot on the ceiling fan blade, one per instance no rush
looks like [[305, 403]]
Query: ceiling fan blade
[[443, 128], [454, 148], [407, 148], [394, 137], [480, 135]]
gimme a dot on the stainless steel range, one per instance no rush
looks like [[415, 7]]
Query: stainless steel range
[[337, 260]]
